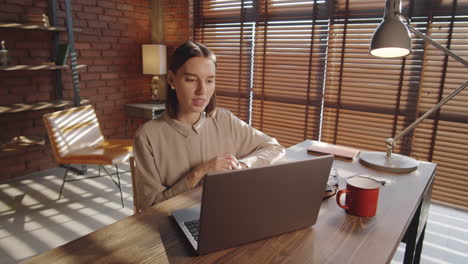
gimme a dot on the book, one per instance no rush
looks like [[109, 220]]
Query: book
[[62, 54], [340, 152]]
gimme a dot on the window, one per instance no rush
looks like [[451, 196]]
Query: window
[[301, 70]]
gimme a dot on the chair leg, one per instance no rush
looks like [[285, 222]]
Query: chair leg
[[117, 183], [120, 186], [63, 181]]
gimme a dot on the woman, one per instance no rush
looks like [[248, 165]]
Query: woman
[[192, 138]]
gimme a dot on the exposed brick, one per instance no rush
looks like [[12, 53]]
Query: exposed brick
[[115, 83], [90, 76], [106, 4], [9, 17], [87, 2], [42, 4], [102, 61], [102, 23], [97, 24], [119, 26], [101, 45], [114, 97], [105, 76], [125, 7], [112, 33], [10, 8], [86, 93], [90, 53], [93, 9], [84, 15], [23, 2], [40, 53], [107, 18], [107, 90], [97, 68], [111, 53], [112, 12], [35, 10], [109, 39], [87, 38]]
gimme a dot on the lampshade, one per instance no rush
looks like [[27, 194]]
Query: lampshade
[[392, 38], [154, 59]]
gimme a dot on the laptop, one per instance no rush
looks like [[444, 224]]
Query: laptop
[[247, 205]]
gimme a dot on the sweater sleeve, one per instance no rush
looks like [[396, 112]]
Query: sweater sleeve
[[254, 147], [148, 187]]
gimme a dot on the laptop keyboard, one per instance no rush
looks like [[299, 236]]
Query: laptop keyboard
[[193, 227]]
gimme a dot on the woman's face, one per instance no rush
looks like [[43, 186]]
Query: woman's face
[[194, 83]]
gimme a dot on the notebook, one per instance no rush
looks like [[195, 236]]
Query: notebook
[[340, 152], [247, 205]]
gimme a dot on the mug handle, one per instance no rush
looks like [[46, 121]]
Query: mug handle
[[338, 201]]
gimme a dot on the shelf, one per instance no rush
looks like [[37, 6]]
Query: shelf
[[34, 27], [36, 67], [146, 110], [21, 143], [20, 107]]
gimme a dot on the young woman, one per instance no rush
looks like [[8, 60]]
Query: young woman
[[192, 138]]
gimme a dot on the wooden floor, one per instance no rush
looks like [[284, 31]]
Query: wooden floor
[[32, 220]]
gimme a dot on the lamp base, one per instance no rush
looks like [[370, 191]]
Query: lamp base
[[396, 163]]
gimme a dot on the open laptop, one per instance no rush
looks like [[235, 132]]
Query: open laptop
[[242, 206]]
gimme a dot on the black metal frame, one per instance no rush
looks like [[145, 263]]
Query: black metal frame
[[73, 59], [68, 167], [414, 236], [72, 54]]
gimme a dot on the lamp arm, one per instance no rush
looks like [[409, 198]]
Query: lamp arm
[[392, 141], [437, 45]]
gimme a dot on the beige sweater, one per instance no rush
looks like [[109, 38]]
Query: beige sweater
[[166, 150]]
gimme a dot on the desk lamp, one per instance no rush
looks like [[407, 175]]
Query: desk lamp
[[391, 40], [154, 63]]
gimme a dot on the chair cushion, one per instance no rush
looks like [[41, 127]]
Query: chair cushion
[[107, 152], [73, 129]]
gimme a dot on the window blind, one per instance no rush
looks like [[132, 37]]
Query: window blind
[[367, 99], [290, 50], [443, 138], [226, 28], [301, 70]]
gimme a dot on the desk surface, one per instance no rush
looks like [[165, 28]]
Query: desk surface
[[153, 237]]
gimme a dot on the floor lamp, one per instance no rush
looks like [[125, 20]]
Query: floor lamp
[[392, 39]]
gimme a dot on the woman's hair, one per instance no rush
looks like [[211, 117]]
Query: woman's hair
[[182, 54]]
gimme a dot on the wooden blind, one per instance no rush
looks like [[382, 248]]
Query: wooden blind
[[367, 99], [443, 138], [302, 69], [290, 49], [226, 28]]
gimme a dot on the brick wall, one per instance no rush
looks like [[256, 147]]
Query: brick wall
[[110, 46], [178, 23]]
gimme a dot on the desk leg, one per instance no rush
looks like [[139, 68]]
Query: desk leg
[[417, 253], [414, 236], [411, 238]]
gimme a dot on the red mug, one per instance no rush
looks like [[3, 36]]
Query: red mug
[[362, 195]]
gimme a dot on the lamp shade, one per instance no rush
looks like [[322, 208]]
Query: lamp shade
[[154, 59], [392, 38]]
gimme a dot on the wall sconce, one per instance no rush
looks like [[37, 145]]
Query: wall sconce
[[154, 63]]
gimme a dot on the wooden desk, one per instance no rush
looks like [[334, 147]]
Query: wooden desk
[[153, 237]]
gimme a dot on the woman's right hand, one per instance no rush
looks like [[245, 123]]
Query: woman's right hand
[[225, 162]]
